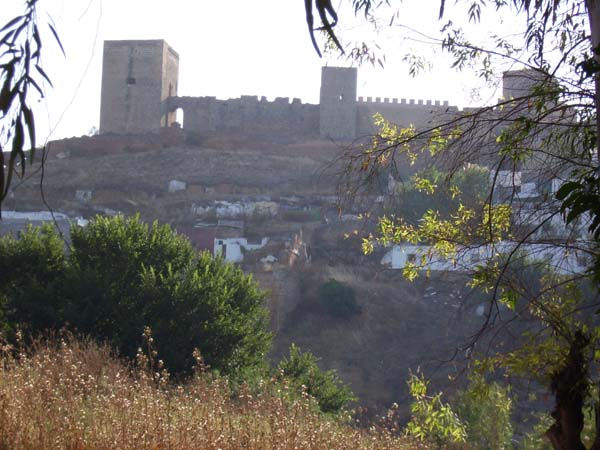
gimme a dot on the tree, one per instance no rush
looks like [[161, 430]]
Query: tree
[[121, 276], [485, 410], [33, 269], [552, 125], [338, 299], [20, 73], [432, 419], [302, 371]]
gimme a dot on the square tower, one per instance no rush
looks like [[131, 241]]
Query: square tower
[[137, 79], [338, 103], [520, 83]]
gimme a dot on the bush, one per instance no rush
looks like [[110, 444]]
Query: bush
[[432, 420], [32, 270], [122, 275], [485, 409], [338, 299], [302, 371]]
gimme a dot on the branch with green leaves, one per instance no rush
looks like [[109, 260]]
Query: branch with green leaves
[[21, 81]]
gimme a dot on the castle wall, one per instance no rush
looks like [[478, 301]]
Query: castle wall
[[247, 114], [402, 112], [139, 95], [136, 79]]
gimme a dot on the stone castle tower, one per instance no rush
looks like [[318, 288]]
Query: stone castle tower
[[338, 102], [137, 79]]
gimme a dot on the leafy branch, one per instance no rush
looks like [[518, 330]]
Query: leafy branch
[[20, 74]]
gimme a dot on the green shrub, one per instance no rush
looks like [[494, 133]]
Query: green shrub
[[301, 215], [32, 272], [338, 299], [432, 420], [485, 409], [122, 275], [302, 371]]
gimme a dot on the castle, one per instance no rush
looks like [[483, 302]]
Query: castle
[[140, 95]]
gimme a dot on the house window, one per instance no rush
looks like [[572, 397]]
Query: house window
[[582, 261], [411, 258], [130, 81]]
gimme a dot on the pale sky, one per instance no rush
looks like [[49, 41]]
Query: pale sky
[[229, 48]]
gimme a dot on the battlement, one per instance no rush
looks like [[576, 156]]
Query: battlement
[[403, 101]]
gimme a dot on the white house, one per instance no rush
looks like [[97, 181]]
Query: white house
[[565, 261], [232, 249]]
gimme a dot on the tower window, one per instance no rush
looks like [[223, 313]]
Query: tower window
[[130, 81]]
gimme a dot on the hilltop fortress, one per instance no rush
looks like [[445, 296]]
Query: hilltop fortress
[[140, 95]]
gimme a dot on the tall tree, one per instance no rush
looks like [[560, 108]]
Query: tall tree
[[552, 126]]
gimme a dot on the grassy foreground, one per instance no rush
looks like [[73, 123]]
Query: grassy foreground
[[77, 395]]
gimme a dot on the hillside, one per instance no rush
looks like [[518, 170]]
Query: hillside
[[274, 204]]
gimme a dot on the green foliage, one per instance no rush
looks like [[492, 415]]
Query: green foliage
[[535, 439], [579, 197], [485, 410], [121, 276], [302, 371], [432, 420], [33, 270], [210, 305], [432, 190], [21, 74], [338, 299]]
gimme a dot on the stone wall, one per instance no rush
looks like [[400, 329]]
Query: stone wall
[[110, 144], [247, 114], [402, 112]]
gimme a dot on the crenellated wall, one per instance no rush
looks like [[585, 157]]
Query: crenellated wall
[[139, 95], [402, 112], [250, 115]]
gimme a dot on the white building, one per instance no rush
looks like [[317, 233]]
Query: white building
[[565, 261], [232, 249]]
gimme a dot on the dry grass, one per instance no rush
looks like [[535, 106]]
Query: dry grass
[[77, 395]]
